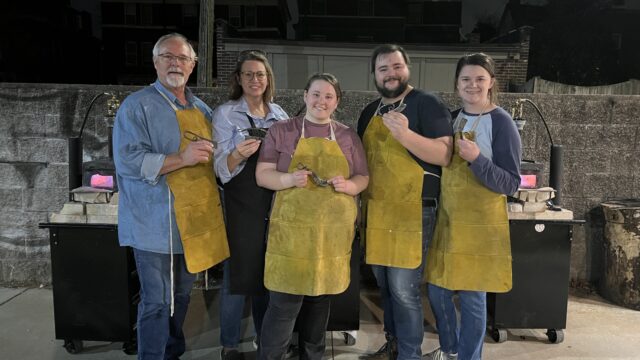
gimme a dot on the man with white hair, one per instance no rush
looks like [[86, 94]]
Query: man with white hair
[[169, 209]]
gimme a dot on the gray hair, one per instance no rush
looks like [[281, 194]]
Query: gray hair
[[156, 47]]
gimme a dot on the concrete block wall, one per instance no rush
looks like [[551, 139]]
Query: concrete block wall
[[600, 135]]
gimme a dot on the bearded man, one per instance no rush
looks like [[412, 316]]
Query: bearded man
[[407, 136], [169, 208]]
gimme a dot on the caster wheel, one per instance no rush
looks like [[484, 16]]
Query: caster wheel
[[130, 348], [499, 335], [555, 336], [73, 346], [349, 339]]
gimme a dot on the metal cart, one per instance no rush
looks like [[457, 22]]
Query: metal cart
[[95, 286], [541, 251]]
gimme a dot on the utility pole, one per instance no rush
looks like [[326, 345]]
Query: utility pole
[[205, 44]]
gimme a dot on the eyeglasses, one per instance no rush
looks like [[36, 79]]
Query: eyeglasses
[[181, 59], [249, 75], [189, 135], [254, 133]]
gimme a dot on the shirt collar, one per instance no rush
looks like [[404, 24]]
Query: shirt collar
[[242, 107], [187, 93]]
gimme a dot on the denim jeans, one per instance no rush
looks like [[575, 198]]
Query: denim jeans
[[160, 335], [232, 308], [467, 339], [312, 313], [401, 298]]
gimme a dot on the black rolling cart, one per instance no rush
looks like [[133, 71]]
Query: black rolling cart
[[541, 252], [95, 286]]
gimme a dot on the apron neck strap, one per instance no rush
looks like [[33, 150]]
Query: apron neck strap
[[251, 122], [332, 136], [173, 106], [459, 118]]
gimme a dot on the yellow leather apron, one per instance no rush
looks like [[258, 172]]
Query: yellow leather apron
[[471, 249], [197, 200], [392, 204], [311, 229]]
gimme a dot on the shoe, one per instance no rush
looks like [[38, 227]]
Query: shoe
[[438, 354], [389, 350], [232, 354], [292, 351]]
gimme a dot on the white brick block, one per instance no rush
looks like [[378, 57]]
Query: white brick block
[[72, 208], [102, 209]]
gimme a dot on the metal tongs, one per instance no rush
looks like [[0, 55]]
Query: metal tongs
[[391, 107], [190, 135], [314, 177], [253, 133]]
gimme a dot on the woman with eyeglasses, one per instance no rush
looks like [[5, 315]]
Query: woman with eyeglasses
[[317, 166], [238, 128], [470, 253]]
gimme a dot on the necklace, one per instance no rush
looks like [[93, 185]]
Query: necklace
[[385, 108]]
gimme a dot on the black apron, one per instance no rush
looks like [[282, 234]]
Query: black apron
[[247, 210]]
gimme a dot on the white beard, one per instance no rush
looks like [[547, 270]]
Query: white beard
[[175, 80]]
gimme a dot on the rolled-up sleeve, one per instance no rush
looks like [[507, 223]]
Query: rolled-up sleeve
[[132, 146], [225, 134]]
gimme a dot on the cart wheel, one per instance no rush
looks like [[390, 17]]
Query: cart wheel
[[349, 339], [73, 346], [499, 335], [555, 336], [130, 347]]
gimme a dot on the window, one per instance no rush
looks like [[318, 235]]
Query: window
[[234, 15], [131, 53], [250, 16], [190, 16], [365, 7], [414, 13], [318, 7], [130, 14], [617, 40], [146, 49], [146, 14]]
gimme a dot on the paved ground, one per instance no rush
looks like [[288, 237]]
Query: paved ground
[[595, 330]]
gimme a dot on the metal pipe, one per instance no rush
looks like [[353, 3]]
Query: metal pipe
[[75, 163], [556, 172]]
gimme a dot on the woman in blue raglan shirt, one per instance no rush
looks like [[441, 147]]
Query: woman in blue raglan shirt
[[470, 253]]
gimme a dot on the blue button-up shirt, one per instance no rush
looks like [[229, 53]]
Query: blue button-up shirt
[[228, 120], [145, 132]]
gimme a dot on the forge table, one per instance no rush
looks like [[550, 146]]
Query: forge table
[[541, 252], [95, 285]]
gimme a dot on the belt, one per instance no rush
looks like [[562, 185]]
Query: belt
[[429, 202]]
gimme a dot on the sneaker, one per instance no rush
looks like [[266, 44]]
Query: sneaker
[[232, 354], [438, 354], [388, 351]]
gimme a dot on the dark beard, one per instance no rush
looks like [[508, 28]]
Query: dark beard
[[391, 94]]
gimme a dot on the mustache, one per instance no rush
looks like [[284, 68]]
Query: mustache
[[175, 71], [391, 79]]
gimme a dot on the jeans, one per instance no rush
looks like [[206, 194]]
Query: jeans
[[232, 308], [401, 298], [313, 315], [467, 339], [160, 335]]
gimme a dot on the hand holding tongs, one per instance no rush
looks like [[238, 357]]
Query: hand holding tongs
[[314, 177], [190, 135]]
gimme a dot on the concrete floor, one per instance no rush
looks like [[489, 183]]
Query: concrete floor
[[595, 330]]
